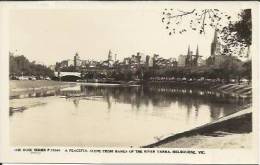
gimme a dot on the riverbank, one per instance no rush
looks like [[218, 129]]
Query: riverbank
[[32, 90], [20, 105], [237, 90], [29, 84], [232, 131], [242, 90], [22, 87]]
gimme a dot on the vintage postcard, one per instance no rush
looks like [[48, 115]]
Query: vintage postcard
[[129, 82]]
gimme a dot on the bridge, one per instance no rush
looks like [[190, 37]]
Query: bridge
[[90, 73], [67, 76], [62, 74]]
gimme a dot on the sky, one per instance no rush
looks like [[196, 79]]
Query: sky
[[51, 35]]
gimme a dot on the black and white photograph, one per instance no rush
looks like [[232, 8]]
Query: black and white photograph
[[147, 76]]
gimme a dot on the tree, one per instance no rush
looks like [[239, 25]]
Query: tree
[[231, 68], [180, 21], [247, 70], [235, 34], [20, 65], [238, 34]]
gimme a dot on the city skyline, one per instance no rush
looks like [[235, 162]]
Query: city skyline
[[60, 35]]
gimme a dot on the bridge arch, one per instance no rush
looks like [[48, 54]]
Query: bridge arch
[[70, 78]]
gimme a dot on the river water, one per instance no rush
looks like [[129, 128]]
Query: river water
[[91, 115]]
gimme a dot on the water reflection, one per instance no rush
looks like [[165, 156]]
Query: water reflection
[[157, 96], [116, 115]]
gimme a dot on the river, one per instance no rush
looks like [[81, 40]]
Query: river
[[91, 115]]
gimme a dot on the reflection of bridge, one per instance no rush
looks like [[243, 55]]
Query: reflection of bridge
[[63, 74]]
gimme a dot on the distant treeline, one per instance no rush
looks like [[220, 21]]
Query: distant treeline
[[228, 69], [231, 68], [21, 66]]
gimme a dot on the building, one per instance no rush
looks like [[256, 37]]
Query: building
[[66, 63], [77, 61], [84, 63], [63, 64], [191, 60], [141, 58], [173, 62], [215, 45], [149, 61], [109, 62], [127, 61], [216, 58], [182, 60], [109, 57], [201, 62]]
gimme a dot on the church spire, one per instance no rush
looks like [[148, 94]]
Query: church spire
[[197, 50], [214, 44], [189, 50], [109, 55], [215, 36]]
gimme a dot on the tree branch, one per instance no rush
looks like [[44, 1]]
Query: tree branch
[[183, 14]]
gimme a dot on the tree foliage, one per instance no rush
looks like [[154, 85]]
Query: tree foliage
[[179, 21], [20, 65], [234, 33], [238, 34]]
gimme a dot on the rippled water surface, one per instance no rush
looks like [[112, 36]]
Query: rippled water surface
[[112, 115]]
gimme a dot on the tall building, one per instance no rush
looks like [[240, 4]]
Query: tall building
[[149, 61], [190, 59], [215, 45], [215, 57], [182, 60], [77, 61], [109, 62], [199, 61], [110, 58]]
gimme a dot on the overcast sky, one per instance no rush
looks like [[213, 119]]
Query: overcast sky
[[50, 35]]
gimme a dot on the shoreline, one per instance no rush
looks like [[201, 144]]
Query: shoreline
[[225, 126], [17, 87]]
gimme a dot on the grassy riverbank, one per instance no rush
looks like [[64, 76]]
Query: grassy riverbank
[[27, 84], [17, 87], [232, 131]]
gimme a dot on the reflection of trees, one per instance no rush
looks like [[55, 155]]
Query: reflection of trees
[[197, 107], [76, 102], [164, 96], [108, 101]]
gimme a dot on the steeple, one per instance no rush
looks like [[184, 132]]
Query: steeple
[[215, 36], [109, 55], [214, 44], [189, 51], [197, 50]]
